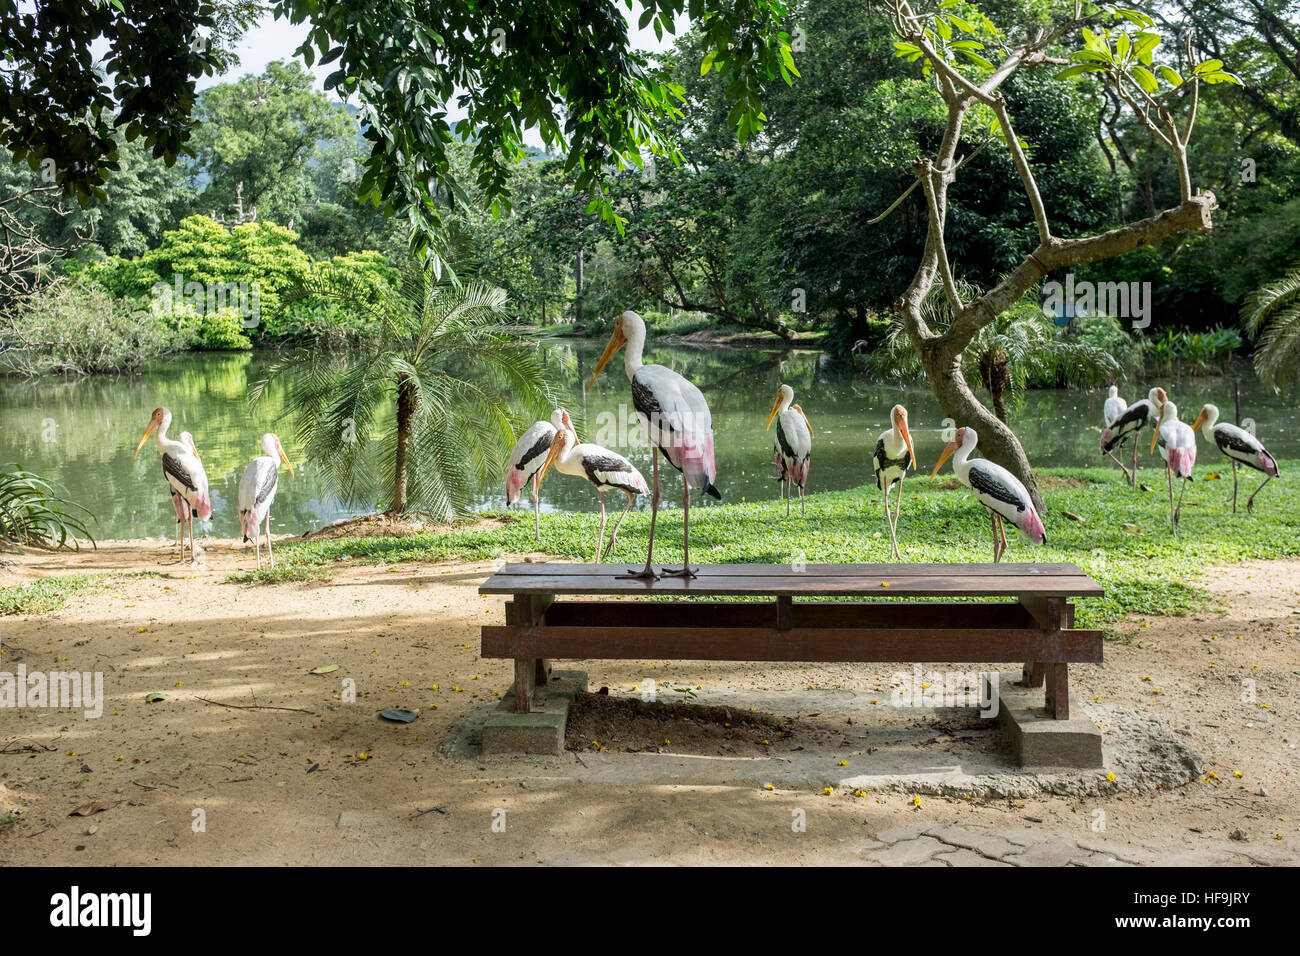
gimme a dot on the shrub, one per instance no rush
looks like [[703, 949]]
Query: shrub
[[77, 328]]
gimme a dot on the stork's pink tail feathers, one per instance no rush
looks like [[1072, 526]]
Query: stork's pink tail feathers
[[248, 524], [1031, 526], [694, 456], [1268, 464], [1181, 461], [799, 473], [203, 505], [514, 484]]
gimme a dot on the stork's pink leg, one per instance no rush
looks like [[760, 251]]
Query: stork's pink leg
[[269, 553], [613, 535], [1178, 511], [1135, 461], [537, 515], [893, 534], [648, 571], [685, 570], [1250, 502], [1169, 475], [1234, 486], [600, 532]]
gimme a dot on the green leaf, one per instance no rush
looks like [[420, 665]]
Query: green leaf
[[1207, 66], [975, 58], [1170, 76], [1146, 79], [707, 63]]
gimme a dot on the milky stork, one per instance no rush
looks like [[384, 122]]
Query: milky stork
[[257, 492], [1238, 446], [606, 471], [792, 446], [1111, 410], [1177, 443], [526, 460], [183, 470], [182, 509], [889, 462], [996, 489], [678, 422], [1141, 414]]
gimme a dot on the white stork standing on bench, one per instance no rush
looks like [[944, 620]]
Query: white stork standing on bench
[[996, 489], [889, 462], [1238, 446], [1143, 413], [525, 465], [257, 493], [792, 446], [605, 470], [678, 422], [184, 473]]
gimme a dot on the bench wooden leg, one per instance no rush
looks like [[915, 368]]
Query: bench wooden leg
[[1058, 690], [525, 683], [1033, 675], [530, 672]]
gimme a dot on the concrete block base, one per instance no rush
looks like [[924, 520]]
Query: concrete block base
[[541, 730], [1038, 740]]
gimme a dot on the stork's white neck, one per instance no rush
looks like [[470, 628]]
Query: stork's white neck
[[634, 329], [787, 399], [961, 458], [160, 436]]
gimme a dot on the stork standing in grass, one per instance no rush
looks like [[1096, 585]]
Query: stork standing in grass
[[606, 471], [257, 493], [1111, 411], [792, 446], [996, 489], [1238, 446], [889, 462], [1143, 413], [184, 473], [526, 462], [182, 509], [1177, 443], [678, 422]]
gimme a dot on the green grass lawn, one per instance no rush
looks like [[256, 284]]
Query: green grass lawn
[[50, 594], [1142, 567]]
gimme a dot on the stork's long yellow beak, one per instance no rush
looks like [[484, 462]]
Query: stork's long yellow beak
[[907, 437], [616, 342], [1200, 420], [805, 419], [554, 453], [1155, 434], [284, 458], [770, 418], [947, 453], [147, 432]]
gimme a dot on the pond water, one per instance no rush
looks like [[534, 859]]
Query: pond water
[[81, 433]]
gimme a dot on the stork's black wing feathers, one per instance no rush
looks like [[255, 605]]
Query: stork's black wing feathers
[[784, 442], [268, 485], [1230, 438], [644, 401], [541, 448], [982, 481], [173, 467], [1130, 423]]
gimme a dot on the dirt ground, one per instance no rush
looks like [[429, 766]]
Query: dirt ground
[[187, 780]]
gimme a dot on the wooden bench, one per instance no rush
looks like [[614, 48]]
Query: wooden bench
[[1037, 628]]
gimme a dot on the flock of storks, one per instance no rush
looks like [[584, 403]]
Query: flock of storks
[[188, 483], [679, 425]]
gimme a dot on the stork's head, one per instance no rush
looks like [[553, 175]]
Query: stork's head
[[1209, 416], [271, 445], [157, 420], [958, 440], [626, 326], [898, 417], [1168, 411], [784, 396], [561, 440]]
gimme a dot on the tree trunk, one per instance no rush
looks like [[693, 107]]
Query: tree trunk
[[405, 415], [579, 283], [997, 442]]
